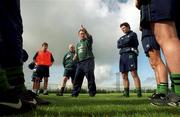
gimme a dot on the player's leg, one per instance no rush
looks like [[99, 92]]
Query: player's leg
[[11, 70], [163, 25], [136, 82], [124, 73], [89, 73], [45, 92], [166, 35], [160, 69], [157, 78], [78, 80], [150, 46], [161, 75], [67, 74], [38, 83], [132, 66], [65, 79], [34, 87], [45, 74], [165, 31], [73, 73], [125, 84], [154, 95], [38, 80]]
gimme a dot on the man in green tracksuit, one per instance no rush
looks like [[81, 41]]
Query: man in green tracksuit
[[85, 66], [69, 68]]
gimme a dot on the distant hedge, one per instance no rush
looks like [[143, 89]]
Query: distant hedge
[[69, 90]]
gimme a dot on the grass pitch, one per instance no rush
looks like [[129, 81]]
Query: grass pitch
[[102, 105]]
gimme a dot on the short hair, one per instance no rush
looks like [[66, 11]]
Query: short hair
[[45, 44], [125, 24], [71, 45], [81, 30]]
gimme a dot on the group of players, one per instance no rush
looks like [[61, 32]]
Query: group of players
[[160, 30]]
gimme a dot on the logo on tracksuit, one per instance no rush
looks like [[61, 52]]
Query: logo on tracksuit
[[81, 48]]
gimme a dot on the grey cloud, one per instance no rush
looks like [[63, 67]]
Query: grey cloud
[[57, 22]]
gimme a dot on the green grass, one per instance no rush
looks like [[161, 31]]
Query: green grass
[[103, 105]]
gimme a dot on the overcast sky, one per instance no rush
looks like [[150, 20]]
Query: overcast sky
[[58, 21]]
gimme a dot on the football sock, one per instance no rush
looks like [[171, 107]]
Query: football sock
[[158, 88], [163, 88], [62, 89], [176, 80], [172, 85], [15, 78], [4, 86], [138, 91], [126, 91]]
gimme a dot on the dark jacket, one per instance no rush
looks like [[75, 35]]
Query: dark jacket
[[128, 43]]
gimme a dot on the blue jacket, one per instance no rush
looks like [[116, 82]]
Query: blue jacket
[[128, 43]]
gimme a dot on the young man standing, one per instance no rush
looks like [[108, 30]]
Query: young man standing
[[161, 16], [69, 64], [85, 66], [43, 60], [128, 45]]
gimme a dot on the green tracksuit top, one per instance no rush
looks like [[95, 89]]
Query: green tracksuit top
[[84, 49], [68, 62]]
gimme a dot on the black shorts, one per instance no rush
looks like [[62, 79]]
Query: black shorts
[[42, 71], [157, 10], [35, 77], [149, 42], [127, 62], [70, 73]]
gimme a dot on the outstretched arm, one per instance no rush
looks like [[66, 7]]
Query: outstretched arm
[[88, 36], [82, 28]]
